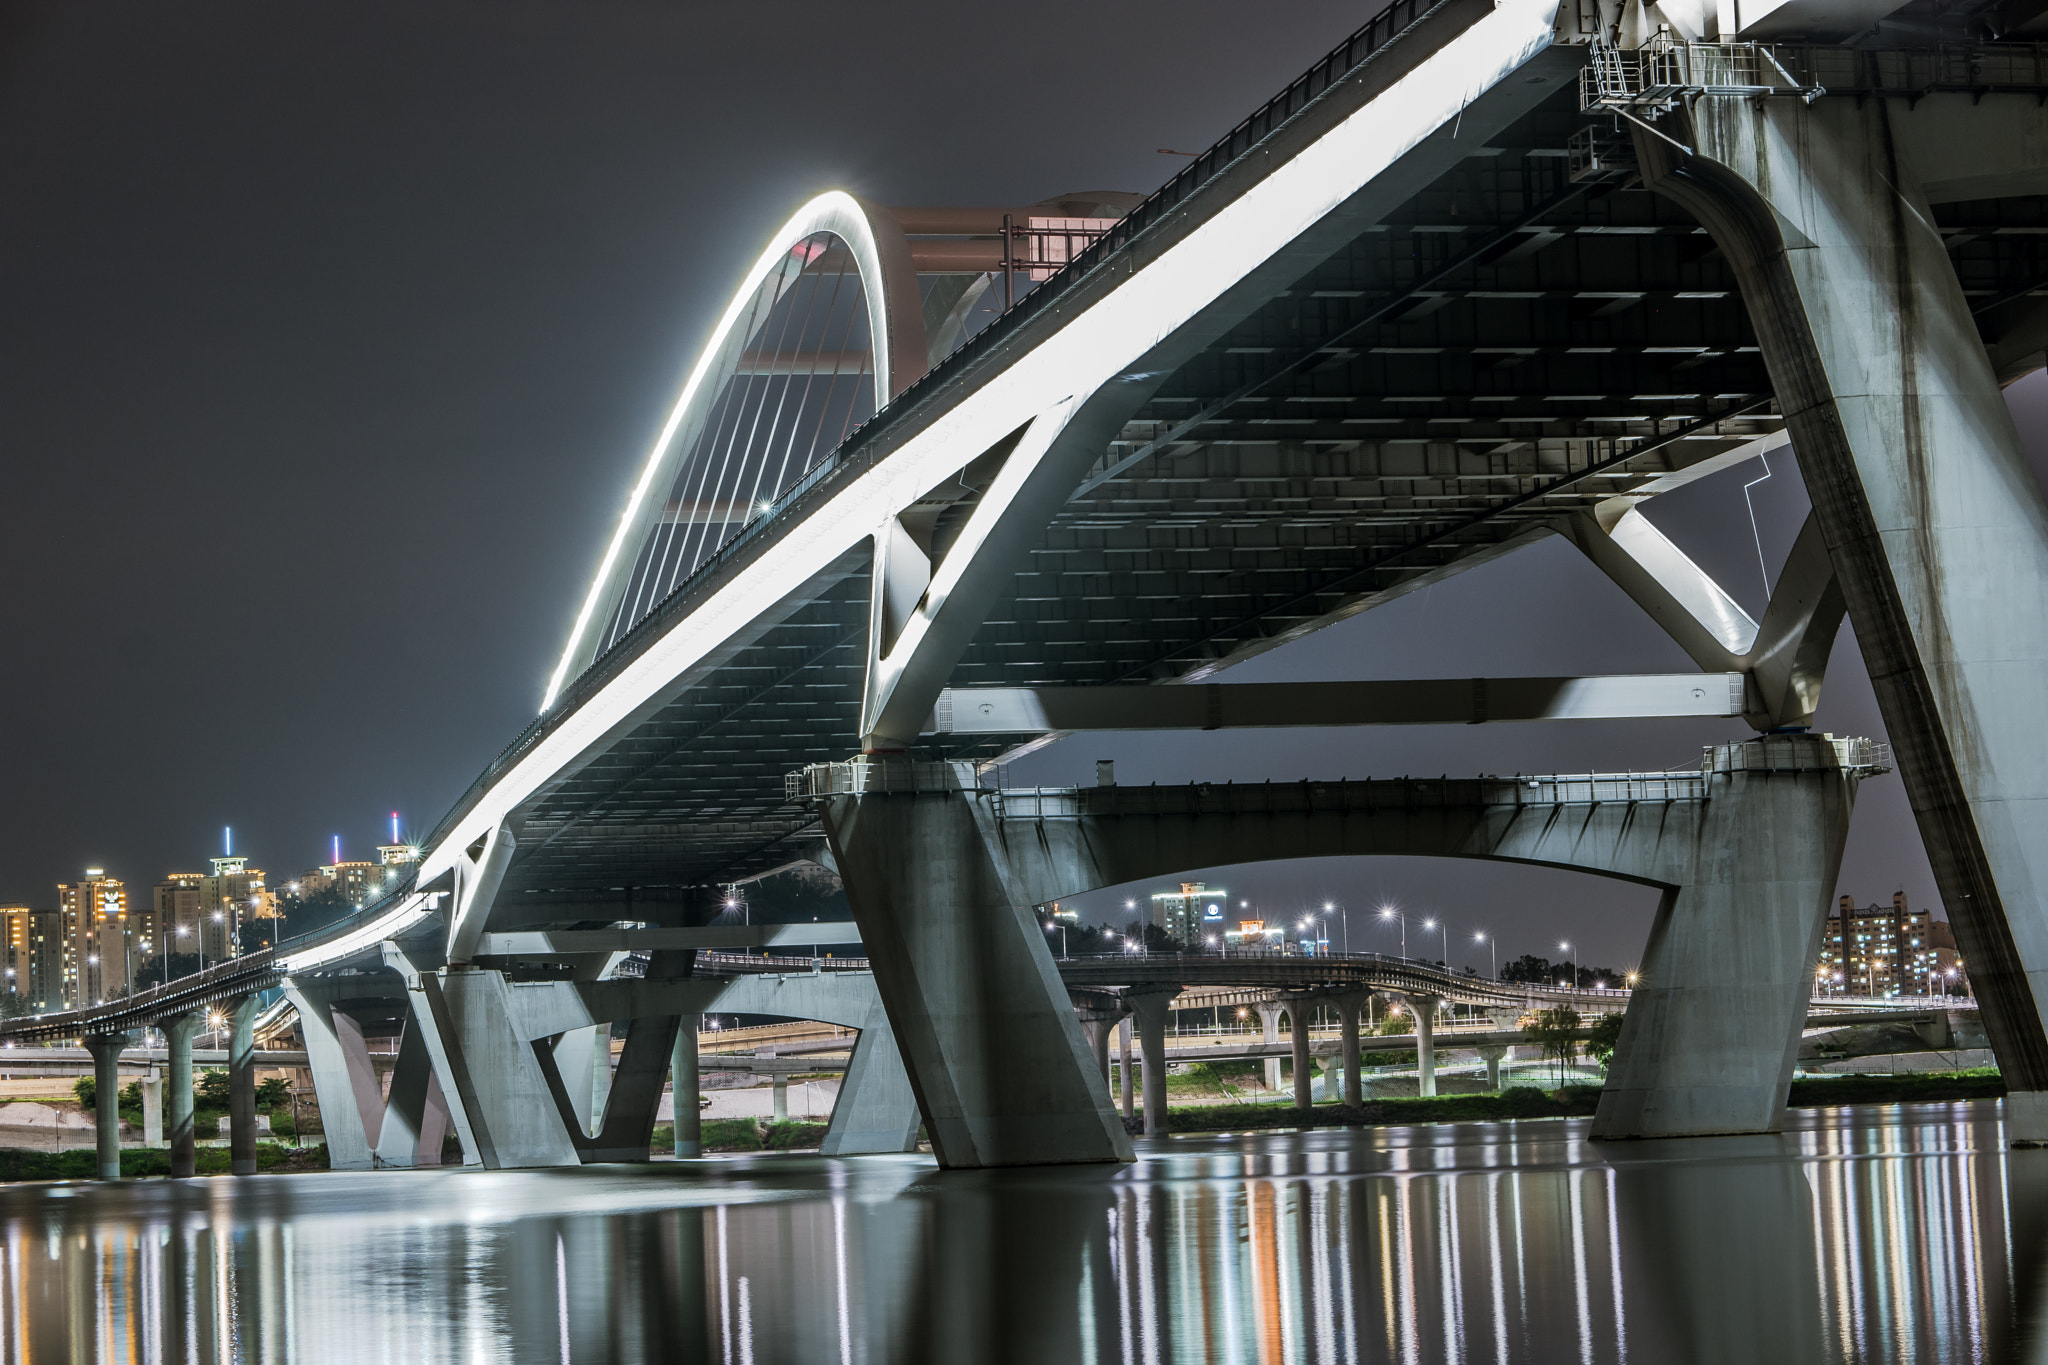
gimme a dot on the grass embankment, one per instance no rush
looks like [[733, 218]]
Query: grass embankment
[[747, 1135], [141, 1162], [1527, 1102]]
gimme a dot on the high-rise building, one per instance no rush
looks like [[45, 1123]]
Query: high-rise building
[[32, 954], [1884, 950], [97, 939], [1191, 913]]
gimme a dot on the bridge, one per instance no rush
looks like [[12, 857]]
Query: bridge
[[947, 484]]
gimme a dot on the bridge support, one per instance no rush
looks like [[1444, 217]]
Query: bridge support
[[1931, 517], [1149, 1009], [1422, 1009], [178, 1034], [1350, 1004], [242, 1086], [1712, 1030], [988, 1036], [415, 1125], [1300, 1010], [153, 1109], [1269, 1033], [106, 1073], [1127, 1090], [1493, 1054], [344, 1078], [877, 1109], [683, 1086]]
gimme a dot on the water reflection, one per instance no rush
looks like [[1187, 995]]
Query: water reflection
[[1866, 1235]]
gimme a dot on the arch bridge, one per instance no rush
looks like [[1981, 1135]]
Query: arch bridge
[[945, 485]]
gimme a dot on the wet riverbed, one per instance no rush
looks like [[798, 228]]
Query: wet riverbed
[[1897, 1233]]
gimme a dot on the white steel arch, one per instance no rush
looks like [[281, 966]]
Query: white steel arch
[[888, 278]]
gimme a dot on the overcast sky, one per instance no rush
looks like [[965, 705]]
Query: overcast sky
[[331, 337]]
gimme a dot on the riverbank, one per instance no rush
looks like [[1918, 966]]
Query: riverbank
[[1571, 1101]]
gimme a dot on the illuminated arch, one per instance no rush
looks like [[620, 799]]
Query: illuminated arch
[[888, 278]]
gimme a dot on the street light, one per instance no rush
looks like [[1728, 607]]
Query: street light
[[1445, 929], [1388, 912], [1481, 936], [1572, 976], [1343, 918]]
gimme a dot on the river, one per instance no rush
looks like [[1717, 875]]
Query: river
[[1879, 1234]]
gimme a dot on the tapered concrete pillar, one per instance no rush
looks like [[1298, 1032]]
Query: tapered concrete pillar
[[877, 1110], [986, 1029], [778, 1087], [1269, 1033], [344, 1078], [683, 1084], [415, 1123], [1125, 1077], [153, 1109], [242, 1086], [178, 1035], [1149, 1010], [1712, 1030], [1932, 518], [1349, 1007], [1492, 1054], [106, 1075]]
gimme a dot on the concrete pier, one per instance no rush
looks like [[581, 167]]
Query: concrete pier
[[683, 1085], [242, 1086], [1299, 1012], [1932, 519], [1149, 1010], [988, 1035], [178, 1034], [1349, 1006], [106, 1066]]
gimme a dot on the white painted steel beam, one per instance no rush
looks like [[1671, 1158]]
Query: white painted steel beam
[[1416, 701]]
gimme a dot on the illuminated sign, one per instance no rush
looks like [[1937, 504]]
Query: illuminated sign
[[1249, 927], [1213, 912]]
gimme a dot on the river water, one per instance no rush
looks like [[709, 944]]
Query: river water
[[1879, 1234]]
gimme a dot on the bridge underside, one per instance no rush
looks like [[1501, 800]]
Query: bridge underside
[[1527, 337]]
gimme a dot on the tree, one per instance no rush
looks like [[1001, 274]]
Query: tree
[[1554, 1031], [1606, 1033], [212, 1089], [273, 1092], [1396, 1023], [1529, 969]]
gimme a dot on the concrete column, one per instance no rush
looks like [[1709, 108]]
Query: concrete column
[[986, 1029], [178, 1041], [877, 1109], [415, 1123], [153, 1108], [498, 1098], [778, 1088], [1422, 1008], [1123, 1067], [1348, 1009], [242, 1086], [1299, 1012], [684, 1083], [1148, 1011], [1269, 1032], [1933, 521], [1712, 1030], [344, 1077], [106, 1073], [1491, 1054]]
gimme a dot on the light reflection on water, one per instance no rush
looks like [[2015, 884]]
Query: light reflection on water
[[1878, 1234]]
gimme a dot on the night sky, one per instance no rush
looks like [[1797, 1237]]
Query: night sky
[[331, 337]]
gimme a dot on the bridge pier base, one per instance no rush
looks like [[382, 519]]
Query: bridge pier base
[[1712, 1031], [1492, 1055], [106, 1072], [684, 1083], [178, 1034], [153, 1109], [1127, 1089], [1269, 1033], [344, 1078], [987, 1032]]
